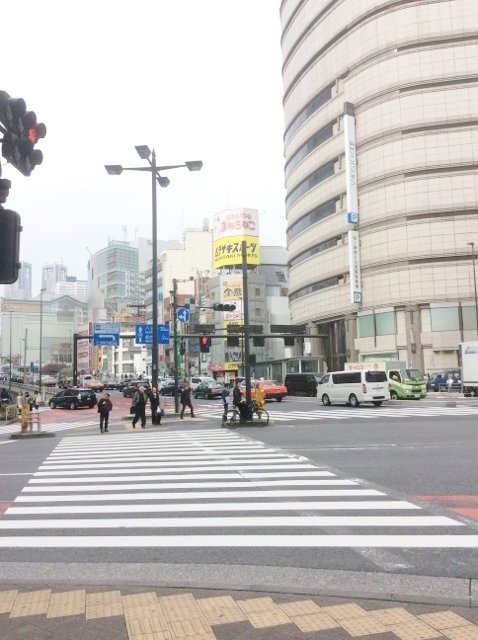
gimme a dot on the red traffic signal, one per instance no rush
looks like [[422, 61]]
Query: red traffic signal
[[22, 132], [204, 344]]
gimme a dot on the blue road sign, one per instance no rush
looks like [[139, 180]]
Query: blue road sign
[[144, 334], [183, 314], [106, 334]]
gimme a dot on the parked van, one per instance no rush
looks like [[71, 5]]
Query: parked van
[[354, 387], [302, 384], [449, 380]]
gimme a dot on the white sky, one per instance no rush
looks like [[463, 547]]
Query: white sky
[[195, 79]]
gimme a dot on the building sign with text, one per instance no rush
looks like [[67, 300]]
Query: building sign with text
[[230, 228]]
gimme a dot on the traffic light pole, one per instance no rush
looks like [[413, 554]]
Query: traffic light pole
[[245, 301], [175, 345]]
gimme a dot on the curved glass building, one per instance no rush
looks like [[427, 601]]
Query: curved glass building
[[381, 168]]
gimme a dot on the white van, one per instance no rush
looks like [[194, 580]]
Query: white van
[[354, 387], [196, 381]]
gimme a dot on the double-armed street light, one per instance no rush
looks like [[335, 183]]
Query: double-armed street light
[[42, 291], [145, 153]]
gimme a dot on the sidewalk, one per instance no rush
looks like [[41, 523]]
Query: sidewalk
[[48, 612]]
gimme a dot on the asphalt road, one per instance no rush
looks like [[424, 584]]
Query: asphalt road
[[421, 459]]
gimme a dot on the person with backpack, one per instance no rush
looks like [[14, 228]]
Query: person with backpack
[[139, 405], [186, 400]]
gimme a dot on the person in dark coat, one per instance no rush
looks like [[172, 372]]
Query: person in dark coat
[[225, 401], [186, 400], [154, 402], [104, 407], [139, 403]]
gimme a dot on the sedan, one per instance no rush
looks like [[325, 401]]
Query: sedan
[[73, 399], [209, 390], [168, 389], [96, 385], [274, 390]]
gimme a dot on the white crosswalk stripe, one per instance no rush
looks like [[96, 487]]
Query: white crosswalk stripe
[[50, 427], [196, 489], [354, 413]]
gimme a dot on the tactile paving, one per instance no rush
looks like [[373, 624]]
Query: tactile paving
[[416, 630], [467, 632], [104, 604], [443, 619], [7, 599], [299, 608], [67, 603], [31, 603], [363, 626], [221, 610], [394, 615], [315, 622]]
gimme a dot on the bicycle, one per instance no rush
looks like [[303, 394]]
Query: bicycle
[[258, 416]]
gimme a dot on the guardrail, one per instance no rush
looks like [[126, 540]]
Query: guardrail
[[11, 413]]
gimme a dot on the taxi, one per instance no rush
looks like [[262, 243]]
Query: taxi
[[273, 389]]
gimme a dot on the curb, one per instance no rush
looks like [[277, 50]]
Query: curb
[[386, 587]]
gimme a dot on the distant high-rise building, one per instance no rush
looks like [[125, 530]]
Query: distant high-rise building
[[51, 274], [22, 288], [114, 280]]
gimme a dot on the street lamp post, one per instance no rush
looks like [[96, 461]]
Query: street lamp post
[[10, 359], [472, 245], [115, 170], [42, 291]]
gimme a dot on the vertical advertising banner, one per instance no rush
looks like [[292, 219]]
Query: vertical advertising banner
[[230, 228], [231, 293], [351, 190]]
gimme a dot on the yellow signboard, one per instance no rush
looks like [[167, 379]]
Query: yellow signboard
[[228, 251]]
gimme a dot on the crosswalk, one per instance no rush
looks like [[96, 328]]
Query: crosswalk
[[208, 488], [51, 427], [277, 415], [352, 413]]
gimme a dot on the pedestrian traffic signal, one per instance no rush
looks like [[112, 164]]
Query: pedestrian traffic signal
[[10, 227], [224, 307], [204, 344], [22, 132]]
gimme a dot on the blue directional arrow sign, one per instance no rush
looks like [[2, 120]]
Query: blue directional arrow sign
[[106, 334], [144, 334], [183, 314]]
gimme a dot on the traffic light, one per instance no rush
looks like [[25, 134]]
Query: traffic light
[[224, 307], [10, 227], [204, 344], [21, 132]]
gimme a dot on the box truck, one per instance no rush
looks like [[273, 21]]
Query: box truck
[[469, 368], [406, 383]]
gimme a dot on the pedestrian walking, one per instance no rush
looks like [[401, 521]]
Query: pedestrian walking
[[5, 397], [139, 403], [154, 402], [104, 407], [225, 401], [186, 400], [37, 400]]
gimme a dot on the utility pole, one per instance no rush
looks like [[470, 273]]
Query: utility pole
[[245, 294], [174, 319]]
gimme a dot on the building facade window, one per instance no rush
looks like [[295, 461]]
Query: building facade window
[[445, 319]]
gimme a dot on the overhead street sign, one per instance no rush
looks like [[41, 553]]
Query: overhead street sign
[[106, 334], [144, 334]]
